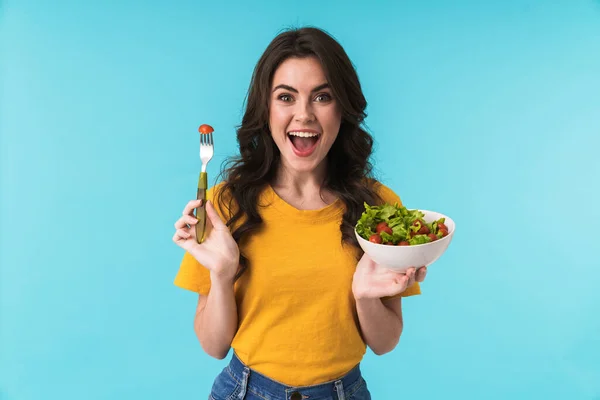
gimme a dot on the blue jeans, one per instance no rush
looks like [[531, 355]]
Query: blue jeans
[[238, 382]]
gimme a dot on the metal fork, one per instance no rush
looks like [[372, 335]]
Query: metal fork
[[206, 154]]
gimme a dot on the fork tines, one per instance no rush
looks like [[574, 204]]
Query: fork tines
[[206, 139]]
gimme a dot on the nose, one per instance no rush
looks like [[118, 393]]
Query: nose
[[304, 112]]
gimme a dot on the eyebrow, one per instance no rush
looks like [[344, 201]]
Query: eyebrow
[[291, 89]]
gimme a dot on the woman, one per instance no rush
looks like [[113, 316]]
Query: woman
[[280, 277]]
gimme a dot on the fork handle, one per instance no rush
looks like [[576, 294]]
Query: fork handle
[[201, 211]]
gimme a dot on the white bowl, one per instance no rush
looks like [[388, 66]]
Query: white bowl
[[401, 258]]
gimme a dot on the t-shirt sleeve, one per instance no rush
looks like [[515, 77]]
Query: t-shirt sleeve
[[389, 196], [192, 275]]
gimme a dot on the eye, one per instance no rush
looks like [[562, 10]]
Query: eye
[[323, 97], [284, 97]]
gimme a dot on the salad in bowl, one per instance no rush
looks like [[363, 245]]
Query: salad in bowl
[[400, 238]]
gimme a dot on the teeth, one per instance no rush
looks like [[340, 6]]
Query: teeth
[[303, 134]]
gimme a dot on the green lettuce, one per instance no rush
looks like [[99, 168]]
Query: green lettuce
[[400, 220]]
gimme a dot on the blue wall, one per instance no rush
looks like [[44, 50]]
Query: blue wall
[[487, 112]]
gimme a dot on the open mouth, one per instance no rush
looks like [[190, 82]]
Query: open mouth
[[303, 143]]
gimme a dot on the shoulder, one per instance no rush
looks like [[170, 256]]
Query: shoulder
[[215, 191], [220, 196], [229, 199], [385, 193]]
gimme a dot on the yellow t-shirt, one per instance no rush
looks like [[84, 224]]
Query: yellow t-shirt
[[297, 317]]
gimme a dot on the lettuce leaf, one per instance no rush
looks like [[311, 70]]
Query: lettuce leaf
[[401, 221], [419, 239]]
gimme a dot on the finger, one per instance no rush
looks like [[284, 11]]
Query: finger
[[421, 274], [400, 284], [189, 208], [411, 276], [388, 275], [214, 218], [367, 258], [185, 220], [183, 234], [373, 265], [178, 239], [381, 274], [391, 287]]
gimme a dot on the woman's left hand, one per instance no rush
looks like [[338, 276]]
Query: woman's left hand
[[373, 281]]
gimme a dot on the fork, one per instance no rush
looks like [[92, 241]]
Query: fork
[[206, 154]]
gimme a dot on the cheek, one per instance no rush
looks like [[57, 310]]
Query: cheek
[[332, 121], [279, 118]]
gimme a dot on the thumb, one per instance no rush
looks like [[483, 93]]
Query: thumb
[[400, 284], [214, 218], [367, 259]]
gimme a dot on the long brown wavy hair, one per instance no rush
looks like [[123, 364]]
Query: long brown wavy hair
[[349, 171]]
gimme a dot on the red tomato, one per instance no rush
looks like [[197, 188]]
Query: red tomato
[[380, 226], [389, 243], [205, 129], [383, 227], [444, 232], [433, 237], [403, 243], [441, 225], [375, 238], [423, 229]]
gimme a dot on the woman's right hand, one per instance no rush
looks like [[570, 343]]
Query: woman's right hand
[[218, 252]]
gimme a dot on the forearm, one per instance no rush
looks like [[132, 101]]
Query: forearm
[[216, 323], [381, 327]]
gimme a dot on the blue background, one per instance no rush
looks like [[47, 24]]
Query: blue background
[[489, 113]]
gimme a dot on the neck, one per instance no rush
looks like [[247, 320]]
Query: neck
[[302, 188], [287, 178]]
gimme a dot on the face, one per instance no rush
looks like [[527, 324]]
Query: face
[[304, 117]]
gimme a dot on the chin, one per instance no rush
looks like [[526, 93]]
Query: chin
[[303, 166]]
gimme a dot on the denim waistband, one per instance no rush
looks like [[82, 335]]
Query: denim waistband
[[263, 386]]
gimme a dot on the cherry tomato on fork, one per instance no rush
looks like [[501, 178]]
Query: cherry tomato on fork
[[205, 129]]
